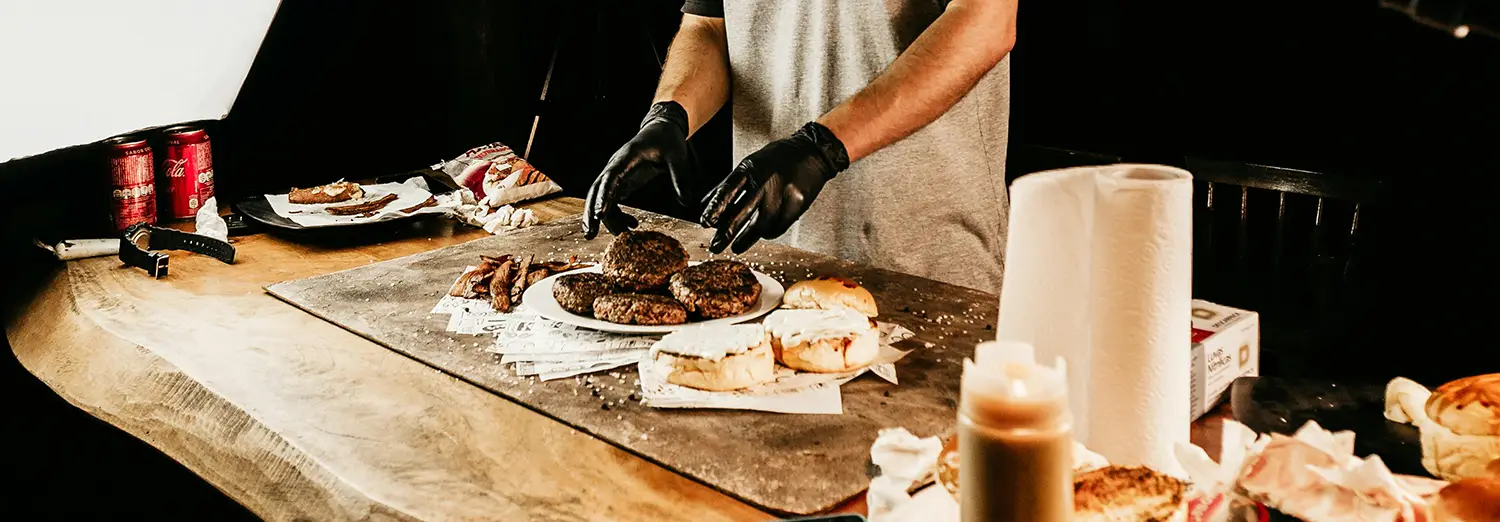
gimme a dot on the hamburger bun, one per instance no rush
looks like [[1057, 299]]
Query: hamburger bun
[[716, 358], [1459, 422], [1468, 406], [1468, 412], [1122, 493], [828, 293], [828, 341], [1468, 500]]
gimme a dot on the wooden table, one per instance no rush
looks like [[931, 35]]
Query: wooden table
[[297, 418]]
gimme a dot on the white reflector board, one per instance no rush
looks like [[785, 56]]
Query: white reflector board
[[78, 71]]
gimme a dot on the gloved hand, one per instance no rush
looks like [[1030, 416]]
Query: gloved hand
[[772, 187], [660, 146]]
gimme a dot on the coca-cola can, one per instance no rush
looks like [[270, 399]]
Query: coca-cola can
[[132, 181], [187, 171]]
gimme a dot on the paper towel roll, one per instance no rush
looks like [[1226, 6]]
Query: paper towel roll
[[1098, 270]]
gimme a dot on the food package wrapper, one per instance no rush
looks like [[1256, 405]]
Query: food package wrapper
[[412, 197], [1098, 271], [1312, 475], [497, 176]]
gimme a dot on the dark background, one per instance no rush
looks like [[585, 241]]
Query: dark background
[[344, 89]]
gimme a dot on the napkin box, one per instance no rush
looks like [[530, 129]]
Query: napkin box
[[1226, 346]]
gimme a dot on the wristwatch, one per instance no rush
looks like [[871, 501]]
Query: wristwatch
[[140, 239]]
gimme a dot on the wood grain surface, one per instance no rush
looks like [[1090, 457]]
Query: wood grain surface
[[298, 419], [797, 464], [301, 420]]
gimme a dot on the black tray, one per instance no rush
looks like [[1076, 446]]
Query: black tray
[[1274, 405], [257, 209]]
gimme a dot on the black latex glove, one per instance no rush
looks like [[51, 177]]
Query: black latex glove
[[771, 188], [659, 147]]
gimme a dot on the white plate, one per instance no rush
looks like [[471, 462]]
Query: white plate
[[539, 299]]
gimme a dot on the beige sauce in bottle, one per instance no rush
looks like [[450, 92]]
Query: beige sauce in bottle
[[1015, 438]]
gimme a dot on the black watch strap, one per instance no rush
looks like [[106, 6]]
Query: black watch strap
[[155, 263], [168, 239]]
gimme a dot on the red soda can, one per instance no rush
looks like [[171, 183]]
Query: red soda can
[[132, 181], [187, 170]]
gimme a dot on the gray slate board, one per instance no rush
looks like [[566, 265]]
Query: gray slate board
[[797, 464]]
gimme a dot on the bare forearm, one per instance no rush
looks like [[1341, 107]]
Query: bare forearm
[[944, 62], [696, 74]]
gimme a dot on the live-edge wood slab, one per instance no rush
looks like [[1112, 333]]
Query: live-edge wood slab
[[299, 419], [787, 463]]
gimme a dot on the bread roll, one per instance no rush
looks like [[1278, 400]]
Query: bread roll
[[1128, 493], [330, 193], [1468, 410], [1468, 500], [830, 292], [716, 358], [829, 341], [1458, 422], [1468, 406]]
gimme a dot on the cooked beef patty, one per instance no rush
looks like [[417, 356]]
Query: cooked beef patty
[[639, 309], [576, 292], [643, 260], [715, 289]]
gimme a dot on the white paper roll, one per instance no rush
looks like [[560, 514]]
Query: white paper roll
[[1099, 271]]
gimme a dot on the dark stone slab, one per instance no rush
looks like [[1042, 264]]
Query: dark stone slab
[[1273, 405], [786, 463]]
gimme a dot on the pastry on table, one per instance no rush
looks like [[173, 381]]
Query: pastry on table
[[1116, 493], [1459, 422], [716, 289], [643, 260], [828, 341], [830, 292], [716, 357], [330, 193]]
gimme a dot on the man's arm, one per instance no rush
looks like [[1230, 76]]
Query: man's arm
[[944, 62], [696, 74]]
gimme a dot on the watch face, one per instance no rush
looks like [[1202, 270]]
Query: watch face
[[141, 238]]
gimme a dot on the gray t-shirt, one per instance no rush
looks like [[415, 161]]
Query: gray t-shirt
[[933, 204]]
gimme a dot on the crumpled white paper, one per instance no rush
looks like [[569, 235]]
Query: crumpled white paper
[[493, 220], [1312, 475], [410, 193], [905, 462], [209, 223], [791, 392]]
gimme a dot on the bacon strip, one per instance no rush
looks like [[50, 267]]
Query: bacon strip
[[368, 207], [431, 201]]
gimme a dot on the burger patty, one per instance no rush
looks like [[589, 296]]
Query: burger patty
[[643, 260], [639, 309], [576, 292], [716, 289]]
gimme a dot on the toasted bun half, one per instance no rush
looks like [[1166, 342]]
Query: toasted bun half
[[830, 292], [830, 355], [1468, 406], [1128, 493], [716, 358], [1468, 500], [828, 341]]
